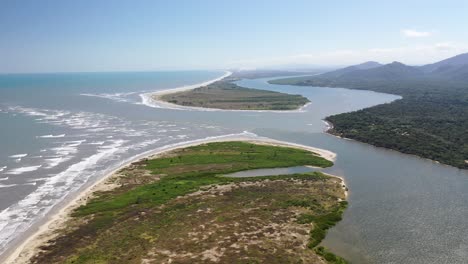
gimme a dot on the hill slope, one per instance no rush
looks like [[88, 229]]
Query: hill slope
[[430, 121], [362, 66], [457, 61], [392, 71]]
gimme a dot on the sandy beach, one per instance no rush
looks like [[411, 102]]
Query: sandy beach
[[152, 99], [48, 230]]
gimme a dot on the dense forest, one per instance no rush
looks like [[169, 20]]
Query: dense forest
[[430, 121]]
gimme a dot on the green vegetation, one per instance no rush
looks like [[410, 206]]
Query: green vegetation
[[180, 207], [227, 95], [322, 223], [329, 256], [431, 120]]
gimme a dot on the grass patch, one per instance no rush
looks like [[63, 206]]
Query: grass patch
[[329, 256], [204, 163], [324, 222], [126, 224]]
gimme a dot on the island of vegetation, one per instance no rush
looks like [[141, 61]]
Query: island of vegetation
[[227, 95], [431, 120], [178, 207]]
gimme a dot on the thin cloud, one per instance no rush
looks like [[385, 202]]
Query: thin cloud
[[410, 33], [445, 46], [416, 54]]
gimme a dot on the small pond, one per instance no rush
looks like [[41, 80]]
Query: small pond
[[271, 172]]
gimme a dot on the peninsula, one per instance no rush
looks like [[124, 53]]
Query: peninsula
[[227, 95], [178, 206]]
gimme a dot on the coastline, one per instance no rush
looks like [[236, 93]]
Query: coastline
[[30, 246], [153, 99], [148, 98], [329, 127]]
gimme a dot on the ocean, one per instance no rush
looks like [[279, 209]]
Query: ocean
[[61, 132]]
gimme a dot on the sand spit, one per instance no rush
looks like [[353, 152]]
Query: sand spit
[[24, 251]]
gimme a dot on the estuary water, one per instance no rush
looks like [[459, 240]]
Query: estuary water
[[60, 132]]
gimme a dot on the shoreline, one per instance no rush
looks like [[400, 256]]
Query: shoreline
[[153, 99], [329, 127], [148, 98], [29, 247]]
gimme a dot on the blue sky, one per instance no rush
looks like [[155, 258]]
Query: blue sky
[[61, 35]]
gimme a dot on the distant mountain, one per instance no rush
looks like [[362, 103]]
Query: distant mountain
[[375, 71], [393, 71], [451, 69], [362, 66], [454, 69], [368, 65], [453, 62], [454, 73]]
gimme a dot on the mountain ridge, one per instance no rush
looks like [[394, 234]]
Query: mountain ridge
[[453, 69]]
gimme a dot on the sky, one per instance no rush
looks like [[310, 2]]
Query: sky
[[146, 35]]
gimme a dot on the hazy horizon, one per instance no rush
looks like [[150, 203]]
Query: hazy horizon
[[109, 36]]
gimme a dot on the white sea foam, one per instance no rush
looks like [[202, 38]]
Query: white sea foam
[[328, 125], [65, 150], [145, 143], [110, 137], [18, 156], [96, 143], [20, 216], [16, 184], [8, 185], [4, 179], [77, 120], [37, 179], [3, 168], [68, 148], [22, 170], [53, 162], [98, 129], [52, 136], [75, 143], [118, 97]]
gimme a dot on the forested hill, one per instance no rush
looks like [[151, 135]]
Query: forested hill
[[430, 121]]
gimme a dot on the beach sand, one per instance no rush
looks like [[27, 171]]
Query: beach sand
[[152, 99], [49, 229]]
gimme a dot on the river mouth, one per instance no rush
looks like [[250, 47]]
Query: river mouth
[[403, 209], [272, 172]]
